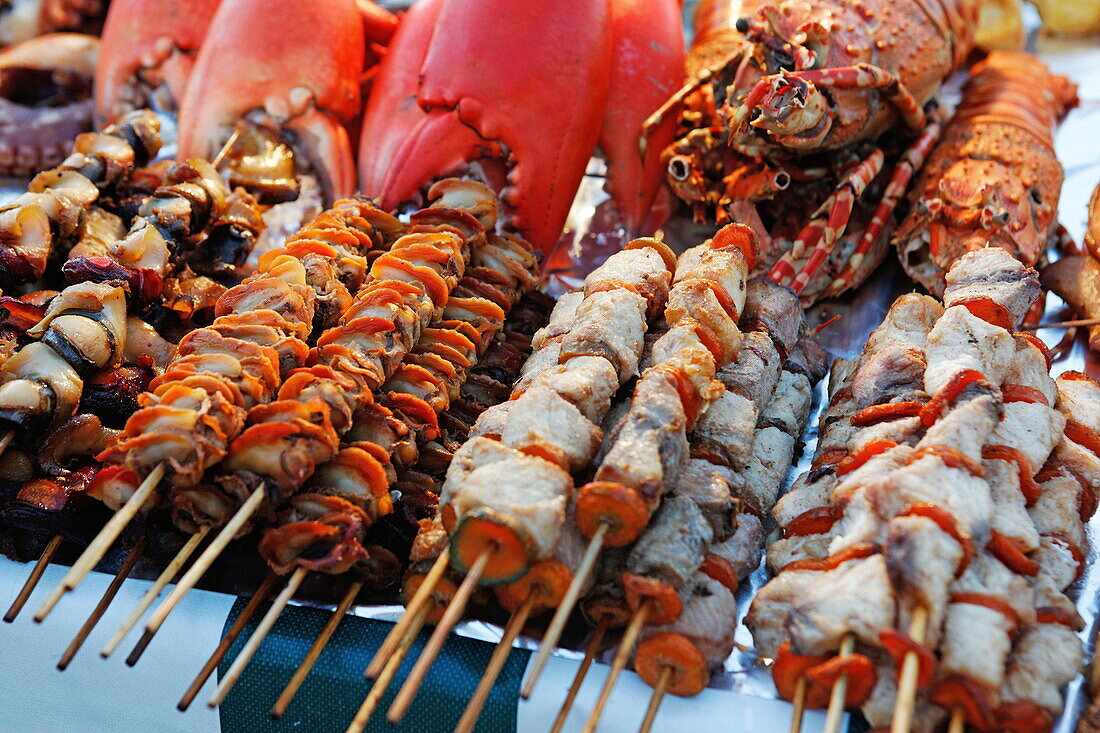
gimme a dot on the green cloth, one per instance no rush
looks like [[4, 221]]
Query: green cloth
[[335, 688]]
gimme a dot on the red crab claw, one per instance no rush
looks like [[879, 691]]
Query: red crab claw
[[647, 68], [528, 80], [148, 50], [294, 65]]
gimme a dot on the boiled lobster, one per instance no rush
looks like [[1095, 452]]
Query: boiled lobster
[[282, 80], [785, 105], [995, 178], [523, 110]]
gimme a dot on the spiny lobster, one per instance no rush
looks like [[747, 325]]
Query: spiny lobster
[[789, 102], [995, 178]]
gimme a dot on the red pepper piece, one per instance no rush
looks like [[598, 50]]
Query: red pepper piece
[[959, 692], [946, 521], [1078, 555], [952, 457], [1006, 550], [866, 452], [1037, 343], [789, 668], [719, 568], [818, 520], [739, 236], [859, 670], [830, 458], [665, 605], [899, 645], [1023, 717], [1077, 376], [686, 390], [882, 413], [1028, 487], [852, 552], [1083, 436], [993, 603], [1021, 393], [988, 310], [932, 409], [1055, 615]]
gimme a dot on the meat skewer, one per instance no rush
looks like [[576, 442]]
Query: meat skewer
[[546, 434], [418, 388]]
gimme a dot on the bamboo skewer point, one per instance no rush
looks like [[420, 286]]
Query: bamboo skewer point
[[568, 602], [389, 671], [32, 579], [227, 641], [840, 689], [151, 595], [910, 670], [496, 663], [101, 607], [799, 703], [98, 547], [590, 652], [958, 721], [454, 611], [195, 572], [626, 645], [655, 700], [319, 644], [420, 599], [257, 638]]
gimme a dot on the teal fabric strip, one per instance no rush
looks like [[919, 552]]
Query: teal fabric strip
[[335, 688]]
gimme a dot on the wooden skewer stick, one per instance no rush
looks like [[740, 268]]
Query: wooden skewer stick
[[799, 703], [840, 689], [32, 579], [454, 612], [590, 652], [1063, 324], [389, 670], [419, 600], [568, 602], [496, 663], [618, 664], [235, 630], [910, 670], [257, 638], [195, 572], [151, 595], [108, 595], [319, 643], [655, 700], [6, 441], [98, 547], [958, 721]]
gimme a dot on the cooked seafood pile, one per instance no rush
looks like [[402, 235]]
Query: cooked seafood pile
[[943, 517]]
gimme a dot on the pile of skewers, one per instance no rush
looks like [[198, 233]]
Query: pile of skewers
[[924, 561]]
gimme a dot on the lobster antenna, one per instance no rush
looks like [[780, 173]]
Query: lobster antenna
[[195, 572], [655, 699], [257, 638], [101, 607], [319, 644], [618, 664], [420, 599], [158, 585], [98, 547], [454, 612], [389, 670], [32, 579], [235, 630], [840, 689], [568, 602], [590, 652], [515, 624]]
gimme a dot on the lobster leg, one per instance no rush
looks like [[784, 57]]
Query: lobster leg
[[860, 76], [673, 103], [827, 224], [909, 164]]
